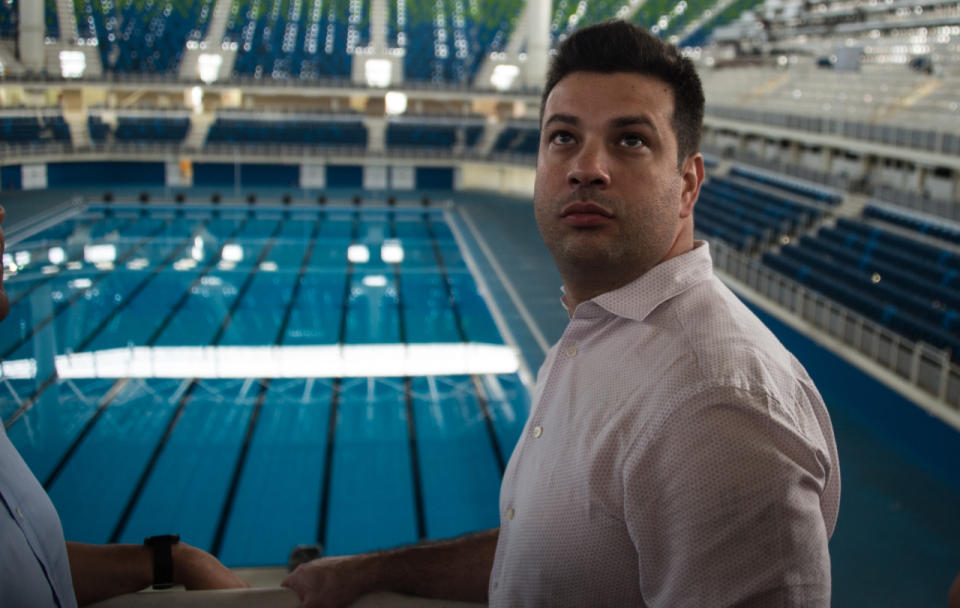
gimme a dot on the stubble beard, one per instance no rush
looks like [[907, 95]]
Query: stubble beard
[[605, 252]]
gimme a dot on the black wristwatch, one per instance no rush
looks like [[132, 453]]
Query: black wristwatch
[[162, 559]]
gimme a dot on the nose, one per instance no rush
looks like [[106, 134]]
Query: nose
[[589, 167]]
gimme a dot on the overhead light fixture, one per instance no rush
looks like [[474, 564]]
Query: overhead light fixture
[[232, 253], [374, 280], [503, 76], [56, 255], [358, 254], [196, 99], [391, 251], [208, 66], [98, 254], [22, 258], [396, 103], [72, 64], [378, 72]]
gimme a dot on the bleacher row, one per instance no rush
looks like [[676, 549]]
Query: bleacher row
[[894, 267], [443, 40], [895, 280], [400, 133]]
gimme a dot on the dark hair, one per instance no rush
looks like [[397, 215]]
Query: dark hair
[[618, 46]]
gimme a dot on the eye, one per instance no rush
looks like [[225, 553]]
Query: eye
[[632, 140], [561, 138]]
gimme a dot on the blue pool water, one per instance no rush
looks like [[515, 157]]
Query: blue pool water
[[247, 467]]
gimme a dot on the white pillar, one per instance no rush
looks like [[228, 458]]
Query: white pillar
[[30, 38], [538, 43]]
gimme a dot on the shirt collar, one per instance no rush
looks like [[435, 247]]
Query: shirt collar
[[640, 297]]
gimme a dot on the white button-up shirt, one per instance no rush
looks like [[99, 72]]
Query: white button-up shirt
[[34, 568], [676, 454]]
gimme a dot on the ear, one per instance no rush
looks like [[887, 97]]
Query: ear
[[691, 176]]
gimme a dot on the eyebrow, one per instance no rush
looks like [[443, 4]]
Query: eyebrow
[[633, 121], [564, 118], [616, 123]]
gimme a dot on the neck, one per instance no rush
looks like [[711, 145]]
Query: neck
[[577, 290], [584, 283]]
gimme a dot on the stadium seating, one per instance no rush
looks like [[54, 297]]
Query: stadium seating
[[448, 41], [137, 37], [909, 286], [51, 19], [785, 183], [157, 129], [296, 132], [518, 140], [311, 39], [8, 20], [428, 135], [939, 230], [33, 129]]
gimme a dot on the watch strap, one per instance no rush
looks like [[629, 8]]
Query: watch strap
[[162, 558]]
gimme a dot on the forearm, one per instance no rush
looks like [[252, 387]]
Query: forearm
[[457, 569], [103, 571]]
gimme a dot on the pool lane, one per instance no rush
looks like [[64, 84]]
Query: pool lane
[[459, 471], [281, 481], [121, 442], [371, 495], [44, 432], [187, 483]]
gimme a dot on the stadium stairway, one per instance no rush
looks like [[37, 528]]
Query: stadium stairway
[[199, 128], [68, 20]]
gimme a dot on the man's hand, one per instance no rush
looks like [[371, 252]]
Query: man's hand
[[332, 582], [196, 569]]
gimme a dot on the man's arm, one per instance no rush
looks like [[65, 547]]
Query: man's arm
[[103, 571], [457, 569], [737, 517]]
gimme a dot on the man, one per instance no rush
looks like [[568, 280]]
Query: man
[[676, 454], [37, 568]]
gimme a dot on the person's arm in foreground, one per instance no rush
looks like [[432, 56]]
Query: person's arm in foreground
[[103, 571], [457, 569]]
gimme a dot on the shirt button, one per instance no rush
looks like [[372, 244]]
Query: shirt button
[[510, 513], [537, 431], [571, 351]]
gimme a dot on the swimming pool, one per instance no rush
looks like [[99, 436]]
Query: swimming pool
[[257, 378]]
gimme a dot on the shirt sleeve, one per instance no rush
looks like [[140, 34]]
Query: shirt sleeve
[[736, 518]]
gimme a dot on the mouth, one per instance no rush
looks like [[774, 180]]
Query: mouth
[[585, 215]]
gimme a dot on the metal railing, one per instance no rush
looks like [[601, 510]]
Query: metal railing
[[923, 366]]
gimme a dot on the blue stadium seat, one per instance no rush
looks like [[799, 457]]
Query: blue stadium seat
[[296, 132]]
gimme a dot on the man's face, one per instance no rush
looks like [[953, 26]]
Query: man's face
[[608, 196], [4, 302]]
